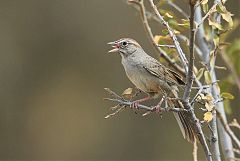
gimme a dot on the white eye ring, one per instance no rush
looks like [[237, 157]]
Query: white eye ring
[[124, 44]]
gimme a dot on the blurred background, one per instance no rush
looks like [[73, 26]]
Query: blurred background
[[53, 68]]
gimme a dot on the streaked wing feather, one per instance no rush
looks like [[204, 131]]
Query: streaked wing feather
[[163, 73]]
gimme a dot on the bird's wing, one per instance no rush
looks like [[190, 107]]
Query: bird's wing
[[163, 73]]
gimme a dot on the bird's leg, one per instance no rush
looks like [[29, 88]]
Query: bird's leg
[[137, 102], [166, 102], [158, 106]]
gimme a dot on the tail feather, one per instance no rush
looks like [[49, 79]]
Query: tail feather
[[182, 120]]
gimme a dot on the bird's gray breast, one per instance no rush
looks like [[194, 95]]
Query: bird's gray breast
[[139, 76]]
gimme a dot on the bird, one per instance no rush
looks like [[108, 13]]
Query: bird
[[153, 78]]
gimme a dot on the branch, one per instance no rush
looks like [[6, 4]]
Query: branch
[[122, 104], [228, 129], [206, 48], [172, 35], [211, 10], [144, 107], [151, 37], [195, 122], [226, 141], [191, 51]]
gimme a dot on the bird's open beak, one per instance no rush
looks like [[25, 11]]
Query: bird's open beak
[[115, 47]]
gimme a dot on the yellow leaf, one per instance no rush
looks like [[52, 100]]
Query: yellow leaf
[[207, 77], [228, 17], [215, 24], [227, 95], [209, 97], [217, 87], [201, 97], [185, 23], [127, 93], [204, 2], [195, 70], [208, 116], [200, 73], [176, 32], [168, 15], [157, 38], [205, 7], [212, 54], [209, 106], [216, 40]]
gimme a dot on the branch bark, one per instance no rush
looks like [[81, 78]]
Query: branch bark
[[226, 142], [148, 30], [190, 76], [172, 35]]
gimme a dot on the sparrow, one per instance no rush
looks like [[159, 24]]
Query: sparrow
[[154, 79]]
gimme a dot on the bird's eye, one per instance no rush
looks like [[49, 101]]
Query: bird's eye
[[124, 44]]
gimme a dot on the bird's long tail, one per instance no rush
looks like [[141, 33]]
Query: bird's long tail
[[182, 120]]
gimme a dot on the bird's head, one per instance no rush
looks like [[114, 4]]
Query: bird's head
[[124, 46]]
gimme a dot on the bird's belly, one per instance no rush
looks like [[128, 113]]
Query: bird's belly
[[144, 81]]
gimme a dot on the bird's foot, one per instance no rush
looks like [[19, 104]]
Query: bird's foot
[[157, 109], [135, 104]]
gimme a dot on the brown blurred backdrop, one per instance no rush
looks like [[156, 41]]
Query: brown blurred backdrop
[[53, 68]]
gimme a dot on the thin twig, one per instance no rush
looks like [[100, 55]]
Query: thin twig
[[211, 10], [172, 35], [168, 46], [177, 8], [236, 150], [196, 123], [235, 123], [195, 148], [144, 107], [190, 73], [112, 93], [148, 30], [115, 112], [228, 129]]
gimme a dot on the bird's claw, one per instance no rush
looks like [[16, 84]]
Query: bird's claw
[[157, 109], [135, 105]]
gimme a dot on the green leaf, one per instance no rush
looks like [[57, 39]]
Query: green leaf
[[212, 57], [205, 7], [227, 95], [185, 23], [168, 15], [226, 15], [207, 77], [216, 40], [221, 9], [227, 107], [200, 73], [165, 31]]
